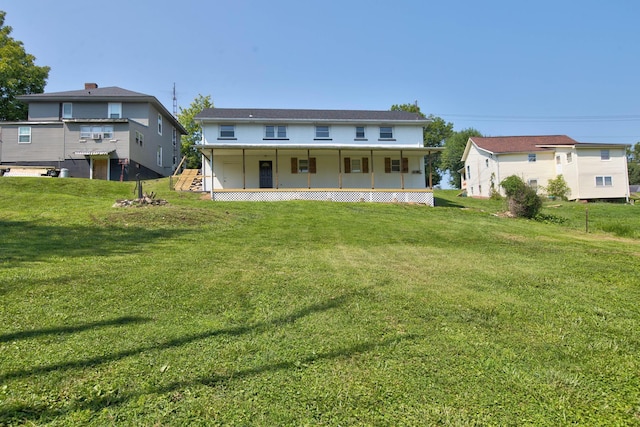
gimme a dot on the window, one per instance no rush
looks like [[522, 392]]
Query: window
[[227, 131], [468, 172], [533, 183], [486, 162], [139, 138], [303, 165], [96, 132], [159, 124], [115, 110], [396, 165], [604, 181], [356, 165], [24, 134], [604, 155], [360, 132], [569, 158], [532, 157], [159, 156], [279, 131], [67, 110], [386, 132], [558, 160], [107, 132], [322, 132]]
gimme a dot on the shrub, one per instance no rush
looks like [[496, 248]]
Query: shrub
[[522, 199], [558, 188]]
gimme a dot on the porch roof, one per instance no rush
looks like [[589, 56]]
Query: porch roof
[[416, 150]]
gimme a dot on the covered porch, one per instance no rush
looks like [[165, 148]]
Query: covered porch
[[339, 173]]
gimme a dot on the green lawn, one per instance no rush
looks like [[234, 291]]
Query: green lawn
[[313, 313]]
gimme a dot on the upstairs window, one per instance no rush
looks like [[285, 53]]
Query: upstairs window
[[569, 158], [604, 155], [115, 110], [67, 110], [227, 131], [96, 132], [159, 124], [24, 134], [386, 132], [139, 138], [322, 132], [360, 132], [532, 157], [271, 131]]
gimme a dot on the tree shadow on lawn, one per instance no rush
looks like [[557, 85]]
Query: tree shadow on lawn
[[439, 202], [45, 413], [24, 241], [20, 335]]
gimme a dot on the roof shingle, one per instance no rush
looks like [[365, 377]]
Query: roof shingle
[[521, 144], [310, 115]]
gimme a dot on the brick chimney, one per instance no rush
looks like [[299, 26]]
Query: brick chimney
[[88, 86]]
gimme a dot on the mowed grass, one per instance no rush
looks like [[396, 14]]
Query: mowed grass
[[312, 313]]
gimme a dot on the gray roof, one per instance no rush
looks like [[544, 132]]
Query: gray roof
[[263, 114], [100, 93]]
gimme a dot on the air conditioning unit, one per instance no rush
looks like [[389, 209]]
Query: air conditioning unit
[[96, 136]]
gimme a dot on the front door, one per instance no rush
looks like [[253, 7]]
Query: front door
[[266, 174], [100, 168]]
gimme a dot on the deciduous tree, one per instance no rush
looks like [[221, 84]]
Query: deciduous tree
[[18, 75], [451, 159], [194, 131]]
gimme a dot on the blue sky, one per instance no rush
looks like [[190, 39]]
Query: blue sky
[[501, 67]]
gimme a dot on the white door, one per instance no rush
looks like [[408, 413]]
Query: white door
[[558, 165], [231, 175]]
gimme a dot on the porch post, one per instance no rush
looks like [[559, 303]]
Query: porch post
[[244, 172], [401, 172], [211, 163], [430, 172], [372, 177], [339, 168], [277, 186], [308, 170]]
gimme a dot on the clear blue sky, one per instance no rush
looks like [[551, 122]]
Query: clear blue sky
[[502, 67]]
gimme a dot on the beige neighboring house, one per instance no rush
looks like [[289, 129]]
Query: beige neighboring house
[[592, 171]]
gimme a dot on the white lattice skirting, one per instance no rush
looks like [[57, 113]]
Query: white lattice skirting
[[381, 196]]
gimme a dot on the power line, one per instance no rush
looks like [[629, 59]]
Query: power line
[[537, 119]]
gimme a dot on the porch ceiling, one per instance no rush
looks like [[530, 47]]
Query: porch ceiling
[[270, 149]]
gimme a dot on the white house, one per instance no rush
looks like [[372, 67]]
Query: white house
[[592, 171], [339, 155]]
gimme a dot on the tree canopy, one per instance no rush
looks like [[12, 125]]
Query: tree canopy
[[433, 135], [18, 75], [194, 131], [633, 165], [451, 159]]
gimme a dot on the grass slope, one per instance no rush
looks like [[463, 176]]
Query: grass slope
[[312, 313]]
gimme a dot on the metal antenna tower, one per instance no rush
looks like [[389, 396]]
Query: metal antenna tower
[[175, 102]]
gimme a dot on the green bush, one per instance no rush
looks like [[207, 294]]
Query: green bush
[[558, 188], [522, 200]]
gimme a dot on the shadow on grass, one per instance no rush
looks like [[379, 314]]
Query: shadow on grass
[[439, 202], [71, 329], [43, 413], [25, 241]]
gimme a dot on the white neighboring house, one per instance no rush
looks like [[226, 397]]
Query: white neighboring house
[[592, 171], [338, 155]]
